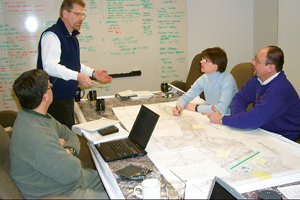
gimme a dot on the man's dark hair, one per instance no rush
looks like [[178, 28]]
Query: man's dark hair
[[217, 56], [30, 88], [275, 56], [68, 5]]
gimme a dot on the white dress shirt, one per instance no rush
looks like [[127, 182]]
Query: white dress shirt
[[51, 52], [268, 80]]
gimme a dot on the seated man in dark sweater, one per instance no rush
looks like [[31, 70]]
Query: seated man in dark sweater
[[276, 102], [43, 152]]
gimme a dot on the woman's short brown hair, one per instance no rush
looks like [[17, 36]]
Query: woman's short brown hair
[[217, 56]]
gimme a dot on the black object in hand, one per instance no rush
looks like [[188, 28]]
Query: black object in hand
[[108, 130]]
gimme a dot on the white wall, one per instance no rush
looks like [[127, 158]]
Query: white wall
[[227, 24], [242, 27], [265, 24], [288, 39]]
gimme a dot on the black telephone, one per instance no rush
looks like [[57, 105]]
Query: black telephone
[[108, 130]]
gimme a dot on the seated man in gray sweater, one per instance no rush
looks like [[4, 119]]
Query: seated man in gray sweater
[[43, 152]]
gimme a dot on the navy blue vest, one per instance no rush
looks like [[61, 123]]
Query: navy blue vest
[[70, 57]]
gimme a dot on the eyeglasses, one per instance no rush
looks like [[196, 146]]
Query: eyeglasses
[[50, 87], [257, 61], [205, 60], [78, 14]]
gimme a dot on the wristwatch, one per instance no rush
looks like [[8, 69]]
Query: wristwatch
[[73, 151], [93, 73], [196, 107]]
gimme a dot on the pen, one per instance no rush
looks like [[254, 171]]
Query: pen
[[246, 159], [96, 86], [177, 176], [177, 109], [95, 82]]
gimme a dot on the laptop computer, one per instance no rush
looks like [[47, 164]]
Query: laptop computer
[[137, 140], [222, 190]]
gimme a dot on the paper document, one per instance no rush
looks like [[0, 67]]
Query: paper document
[[129, 93], [90, 130], [290, 192], [95, 138], [190, 165], [94, 125], [176, 89]]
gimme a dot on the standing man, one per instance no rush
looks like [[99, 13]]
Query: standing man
[[59, 56], [276, 102], [43, 152]]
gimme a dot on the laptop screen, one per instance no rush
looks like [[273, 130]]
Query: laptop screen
[[221, 190], [143, 127]]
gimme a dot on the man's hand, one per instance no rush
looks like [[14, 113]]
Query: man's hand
[[177, 110], [68, 150], [84, 80], [190, 107], [215, 117], [62, 141], [101, 75]]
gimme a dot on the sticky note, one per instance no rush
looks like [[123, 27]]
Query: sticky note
[[260, 161], [183, 115], [222, 154], [198, 126], [261, 175]]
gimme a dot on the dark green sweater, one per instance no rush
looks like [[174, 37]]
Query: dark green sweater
[[39, 164]]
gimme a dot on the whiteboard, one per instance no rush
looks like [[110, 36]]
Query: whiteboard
[[117, 35]]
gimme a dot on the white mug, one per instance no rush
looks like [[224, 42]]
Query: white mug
[[150, 189]]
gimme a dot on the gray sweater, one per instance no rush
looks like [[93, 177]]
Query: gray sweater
[[39, 164]]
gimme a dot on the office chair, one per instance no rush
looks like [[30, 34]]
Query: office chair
[[242, 73], [7, 119], [193, 75]]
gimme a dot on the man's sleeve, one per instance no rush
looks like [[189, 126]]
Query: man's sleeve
[[51, 52], [269, 107], [69, 136]]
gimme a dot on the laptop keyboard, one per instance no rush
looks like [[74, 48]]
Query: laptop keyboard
[[121, 148]]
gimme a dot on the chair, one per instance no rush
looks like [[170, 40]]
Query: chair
[[242, 73], [194, 74], [8, 188], [7, 119]]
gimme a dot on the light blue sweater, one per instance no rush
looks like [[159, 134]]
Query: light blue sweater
[[219, 89]]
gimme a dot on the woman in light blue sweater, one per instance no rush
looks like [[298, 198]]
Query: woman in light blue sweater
[[218, 86]]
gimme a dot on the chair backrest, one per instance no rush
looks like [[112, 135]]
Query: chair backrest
[[7, 118], [195, 71], [242, 73], [8, 188]]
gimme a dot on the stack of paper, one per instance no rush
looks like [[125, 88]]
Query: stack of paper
[[130, 94], [90, 130]]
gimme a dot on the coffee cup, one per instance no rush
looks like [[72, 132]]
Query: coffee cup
[[78, 95], [164, 87], [175, 189], [100, 104], [150, 189], [92, 95]]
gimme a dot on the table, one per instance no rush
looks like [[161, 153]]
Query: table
[[116, 187]]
